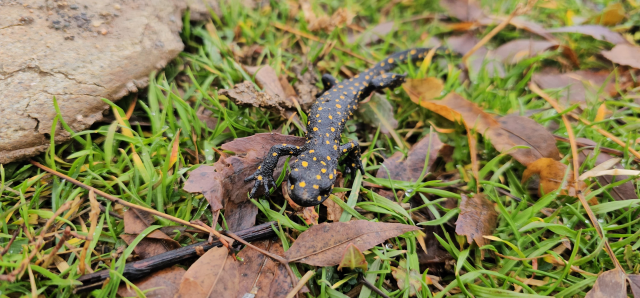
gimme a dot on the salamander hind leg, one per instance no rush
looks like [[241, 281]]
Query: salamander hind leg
[[328, 81], [264, 174], [388, 80], [353, 160]]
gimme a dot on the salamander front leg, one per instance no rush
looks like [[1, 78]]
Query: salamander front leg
[[328, 81], [264, 174], [353, 161]]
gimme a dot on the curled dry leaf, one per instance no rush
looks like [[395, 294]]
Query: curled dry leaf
[[504, 134], [610, 284], [579, 85], [260, 275], [596, 31], [551, 173], [352, 259], [157, 242], [224, 181], [477, 218], [215, 274], [624, 54], [323, 244], [165, 284], [410, 168]]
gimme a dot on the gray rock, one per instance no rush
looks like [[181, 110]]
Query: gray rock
[[79, 54]]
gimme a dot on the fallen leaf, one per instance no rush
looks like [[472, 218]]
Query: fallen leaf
[[610, 284], [267, 79], [323, 244], [634, 281], [270, 278], [477, 218], [423, 89], [224, 181], [245, 93], [599, 168], [157, 242], [464, 10], [410, 168], [305, 85], [378, 112], [551, 174], [596, 31], [614, 172], [503, 134], [462, 44], [516, 50], [531, 26], [352, 259], [612, 15], [579, 85], [401, 276], [624, 54], [164, 282], [310, 215], [372, 35], [215, 274], [240, 216]]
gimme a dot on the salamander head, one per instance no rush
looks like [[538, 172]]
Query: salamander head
[[310, 182]]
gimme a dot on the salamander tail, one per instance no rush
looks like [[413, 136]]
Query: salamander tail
[[416, 54]]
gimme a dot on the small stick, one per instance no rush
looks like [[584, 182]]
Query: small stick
[[13, 237], [371, 286], [300, 284]]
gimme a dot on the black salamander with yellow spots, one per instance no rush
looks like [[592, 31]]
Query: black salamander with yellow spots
[[313, 173]]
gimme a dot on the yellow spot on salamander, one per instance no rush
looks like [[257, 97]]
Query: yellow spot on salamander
[[333, 129], [338, 106], [413, 52], [367, 77], [341, 97], [259, 167], [382, 64], [323, 163], [330, 176], [323, 170], [340, 86], [284, 144], [344, 150], [314, 158], [335, 147], [390, 60], [327, 134], [319, 198], [311, 151], [302, 184], [328, 140], [318, 177], [275, 154], [315, 129], [305, 164], [330, 117], [317, 115], [259, 178], [292, 186], [328, 157], [316, 186]]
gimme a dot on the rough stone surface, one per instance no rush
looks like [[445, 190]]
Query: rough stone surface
[[79, 52]]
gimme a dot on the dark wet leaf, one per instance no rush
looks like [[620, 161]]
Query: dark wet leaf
[[270, 278], [610, 284], [626, 191], [324, 244], [215, 274], [410, 168], [166, 283], [224, 181], [596, 31], [240, 216], [624, 54], [352, 259], [477, 218], [378, 112], [579, 85], [634, 281], [136, 221]]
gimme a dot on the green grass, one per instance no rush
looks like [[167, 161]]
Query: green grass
[[132, 161]]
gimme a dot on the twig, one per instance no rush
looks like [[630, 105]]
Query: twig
[[576, 167], [300, 284], [93, 217], [65, 235], [6, 248], [111, 213], [371, 286]]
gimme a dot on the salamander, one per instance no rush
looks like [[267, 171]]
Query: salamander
[[313, 171]]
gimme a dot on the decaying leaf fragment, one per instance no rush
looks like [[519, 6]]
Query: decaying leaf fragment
[[352, 259], [477, 218], [413, 277], [324, 244], [610, 284]]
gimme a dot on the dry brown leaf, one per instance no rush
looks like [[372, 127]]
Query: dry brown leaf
[[531, 26], [323, 244], [579, 85], [516, 50], [612, 15], [477, 218], [334, 211], [166, 283], [215, 274], [462, 44], [410, 168], [245, 93], [378, 112], [157, 242], [224, 181], [423, 89], [270, 278], [268, 80], [624, 54], [610, 284], [625, 191], [503, 137], [240, 216], [596, 31], [634, 281], [551, 173]]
